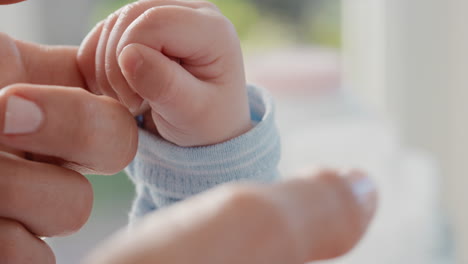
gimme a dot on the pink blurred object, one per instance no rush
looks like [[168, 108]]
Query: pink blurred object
[[295, 71]]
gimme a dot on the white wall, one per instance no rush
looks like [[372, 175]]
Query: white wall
[[410, 60], [65, 22], [47, 21], [22, 21], [457, 132], [364, 54]]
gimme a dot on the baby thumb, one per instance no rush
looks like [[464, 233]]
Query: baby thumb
[[155, 77]]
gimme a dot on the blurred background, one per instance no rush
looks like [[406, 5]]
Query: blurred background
[[375, 84]]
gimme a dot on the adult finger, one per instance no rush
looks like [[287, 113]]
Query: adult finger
[[19, 246], [92, 132], [316, 218], [51, 65], [327, 214], [48, 200]]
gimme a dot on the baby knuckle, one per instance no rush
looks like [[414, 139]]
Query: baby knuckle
[[109, 24], [207, 4], [225, 28], [160, 15], [129, 10], [224, 23], [151, 15], [110, 20]]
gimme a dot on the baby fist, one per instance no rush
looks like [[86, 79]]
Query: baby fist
[[182, 59]]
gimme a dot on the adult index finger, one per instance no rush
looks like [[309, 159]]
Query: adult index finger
[[89, 133]]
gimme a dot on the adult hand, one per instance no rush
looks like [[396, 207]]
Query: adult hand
[[61, 133], [50, 135], [307, 219], [56, 68]]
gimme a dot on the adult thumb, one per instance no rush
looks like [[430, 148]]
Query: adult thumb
[[327, 213]]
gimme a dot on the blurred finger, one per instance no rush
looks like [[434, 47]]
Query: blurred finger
[[18, 246], [303, 220], [92, 132], [45, 209], [328, 214]]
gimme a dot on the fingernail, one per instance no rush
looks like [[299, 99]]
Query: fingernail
[[364, 190], [129, 61], [21, 116]]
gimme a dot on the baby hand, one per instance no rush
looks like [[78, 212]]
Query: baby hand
[[181, 59]]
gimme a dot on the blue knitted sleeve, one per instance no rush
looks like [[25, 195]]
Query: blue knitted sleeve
[[165, 173]]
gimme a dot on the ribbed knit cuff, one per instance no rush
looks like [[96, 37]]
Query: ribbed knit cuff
[[179, 172]]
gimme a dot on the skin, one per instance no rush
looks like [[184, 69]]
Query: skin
[[180, 59], [45, 194], [45, 178], [311, 218], [42, 187]]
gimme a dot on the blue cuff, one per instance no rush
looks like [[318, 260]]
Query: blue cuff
[[172, 173]]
